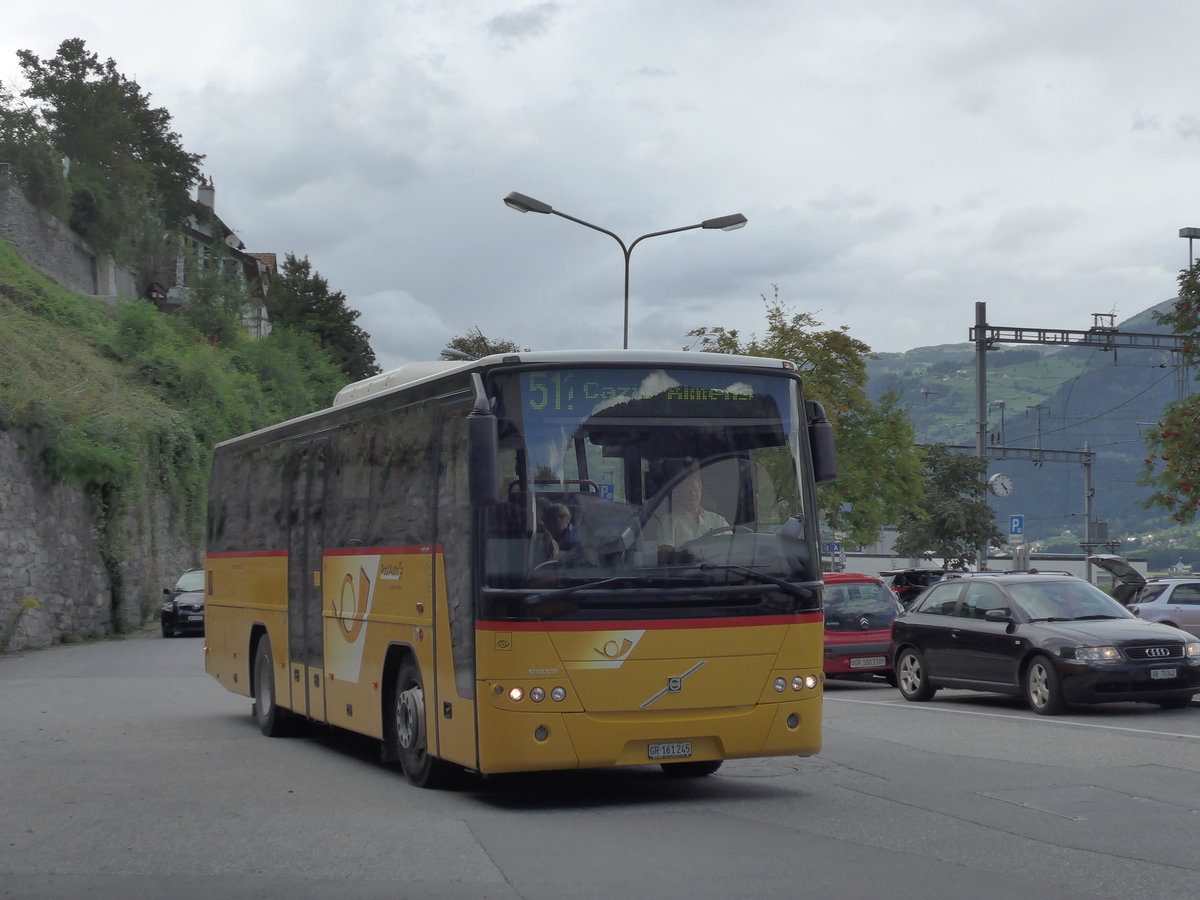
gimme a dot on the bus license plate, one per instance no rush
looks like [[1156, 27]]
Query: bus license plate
[[1162, 674], [676, 750], [868, 662]]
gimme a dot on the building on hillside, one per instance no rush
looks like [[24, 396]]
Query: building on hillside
[[206, 241]]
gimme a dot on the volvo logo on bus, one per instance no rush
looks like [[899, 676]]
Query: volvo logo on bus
[[674, 684]]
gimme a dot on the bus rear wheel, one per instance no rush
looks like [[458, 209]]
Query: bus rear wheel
[[408, 732]]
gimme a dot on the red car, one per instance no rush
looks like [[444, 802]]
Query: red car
[[859, 611]]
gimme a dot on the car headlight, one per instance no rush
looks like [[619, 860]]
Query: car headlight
[[1192, 650], [1097, 654]]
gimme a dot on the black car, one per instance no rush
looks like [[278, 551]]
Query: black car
[[907, 584], [1055, 639], [183, 610]]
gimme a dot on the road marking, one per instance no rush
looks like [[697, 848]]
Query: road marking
[[1041, 720]]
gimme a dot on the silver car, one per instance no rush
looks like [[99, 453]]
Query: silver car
[[1172, 600]]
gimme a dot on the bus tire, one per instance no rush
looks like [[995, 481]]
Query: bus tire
[[408, 733], [272, 720], [691, 769]]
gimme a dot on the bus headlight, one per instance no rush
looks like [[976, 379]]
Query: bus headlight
[[780, 685], [558, 694], [537, 695], [516, 695]]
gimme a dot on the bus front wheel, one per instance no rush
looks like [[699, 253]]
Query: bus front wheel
[[409, 733], [272, 720]]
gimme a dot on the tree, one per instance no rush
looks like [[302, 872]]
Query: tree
[[300, 300], [879, 469], [955, 522], [476, 345], [127, 167], [1173, 466], [34, 162]]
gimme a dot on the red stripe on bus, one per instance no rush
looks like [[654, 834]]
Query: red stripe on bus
[[246, 554], [427, 549], [652, 624]]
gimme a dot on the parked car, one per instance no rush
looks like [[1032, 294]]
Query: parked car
[[183, 610], [1055, 639], [907, 584], [859, 611], [1170, 599]]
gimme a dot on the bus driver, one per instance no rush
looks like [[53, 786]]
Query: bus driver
[[688, 518]]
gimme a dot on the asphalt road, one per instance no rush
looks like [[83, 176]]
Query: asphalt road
[[127, 772]]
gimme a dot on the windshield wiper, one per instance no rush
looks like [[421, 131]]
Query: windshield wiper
[[796, 590]]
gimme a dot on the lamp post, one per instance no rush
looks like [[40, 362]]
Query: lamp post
[[1191, 234], [524, 204]]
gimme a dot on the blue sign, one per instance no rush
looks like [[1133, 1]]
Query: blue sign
[[832, 547], [1016, 524], [607, 491]]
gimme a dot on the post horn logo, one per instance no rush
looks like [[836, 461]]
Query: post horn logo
[[351, 606]]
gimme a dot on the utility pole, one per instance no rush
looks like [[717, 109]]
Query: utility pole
[[1102, 336]]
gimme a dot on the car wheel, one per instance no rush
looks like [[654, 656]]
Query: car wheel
[[910, 677], [691, 769], [167, 631], [407, 730], [1043, 687], [272, 720]]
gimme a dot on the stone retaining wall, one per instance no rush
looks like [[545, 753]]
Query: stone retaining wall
[[53, 583], [57, 252]]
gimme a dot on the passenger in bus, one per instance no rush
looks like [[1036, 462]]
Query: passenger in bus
[[688, 519], [559, 525], [557, 534]]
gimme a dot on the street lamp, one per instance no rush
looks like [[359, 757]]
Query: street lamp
[[524, 204], [1191, 234]]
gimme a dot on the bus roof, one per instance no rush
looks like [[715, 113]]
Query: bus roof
[[414, 373]]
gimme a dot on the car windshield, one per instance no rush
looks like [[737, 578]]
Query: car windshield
[[847, 605], [191, 581], [633, 480], [1066, 599]]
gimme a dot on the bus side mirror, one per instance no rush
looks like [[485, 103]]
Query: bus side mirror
[[481, 458], [483, 449], [820, 443]]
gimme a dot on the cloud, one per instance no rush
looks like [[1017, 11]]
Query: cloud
[[897, 163]]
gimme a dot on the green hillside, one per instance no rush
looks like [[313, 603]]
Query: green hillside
[[108, 392]]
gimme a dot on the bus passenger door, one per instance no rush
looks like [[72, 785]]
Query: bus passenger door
[[306, 545], [454, 584]]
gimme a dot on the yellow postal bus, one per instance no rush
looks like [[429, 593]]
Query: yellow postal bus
[[551, 560]]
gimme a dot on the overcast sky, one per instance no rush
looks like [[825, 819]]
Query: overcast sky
[[897, 162]]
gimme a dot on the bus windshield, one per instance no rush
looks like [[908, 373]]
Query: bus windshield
[[648, 489]]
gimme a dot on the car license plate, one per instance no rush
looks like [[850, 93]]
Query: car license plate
[[195, 618], [868, 662], [675, 750], [1162, 674]]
